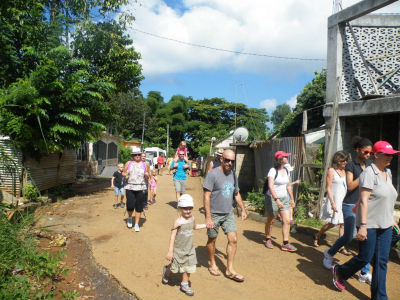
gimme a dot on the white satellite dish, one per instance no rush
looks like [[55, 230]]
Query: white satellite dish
[[241, 134]]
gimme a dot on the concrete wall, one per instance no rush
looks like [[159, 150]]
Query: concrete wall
[[245, 168]]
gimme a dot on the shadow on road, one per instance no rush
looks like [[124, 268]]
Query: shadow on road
[[172, 204], [202, 258], [310, 264]]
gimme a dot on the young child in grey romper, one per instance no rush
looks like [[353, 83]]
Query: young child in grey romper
[[181, 252]]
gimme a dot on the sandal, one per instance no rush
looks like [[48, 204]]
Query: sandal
[[315, 241], [214, 271], [235, 277]]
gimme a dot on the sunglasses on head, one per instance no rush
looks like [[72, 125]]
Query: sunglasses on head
[[227, 160]]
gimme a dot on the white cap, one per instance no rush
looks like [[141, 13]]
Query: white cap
[[136, 150], [185, 201]]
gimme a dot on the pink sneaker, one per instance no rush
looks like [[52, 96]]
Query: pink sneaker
[[337, 281]]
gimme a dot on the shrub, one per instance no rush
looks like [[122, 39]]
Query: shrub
[[256, 197], [31, 193], [19, 253]]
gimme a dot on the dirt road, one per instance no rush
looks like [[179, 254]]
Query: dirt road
[[136, 259]]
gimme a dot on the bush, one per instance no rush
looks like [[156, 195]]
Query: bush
[[257, 199], [31, 193], [23, 269], [124, 153]]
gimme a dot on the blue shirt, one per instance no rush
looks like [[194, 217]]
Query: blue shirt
[[180, 173]]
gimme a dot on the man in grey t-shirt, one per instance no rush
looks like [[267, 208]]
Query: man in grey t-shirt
[[220, 191]]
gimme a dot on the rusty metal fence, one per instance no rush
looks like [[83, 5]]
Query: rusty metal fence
[[264, 156]]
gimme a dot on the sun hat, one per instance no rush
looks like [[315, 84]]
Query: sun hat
[[384, 147], [185, 201], [279, 154], [136, 150]]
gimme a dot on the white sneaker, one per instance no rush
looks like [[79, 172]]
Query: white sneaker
[[187, 290], [137, 228], [367, 278], [129, 222], [328, 259]]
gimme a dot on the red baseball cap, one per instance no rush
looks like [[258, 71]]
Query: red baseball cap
[[384, 147], [280, 154]]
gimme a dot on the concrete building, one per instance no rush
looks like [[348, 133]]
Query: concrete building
[[363, 76]]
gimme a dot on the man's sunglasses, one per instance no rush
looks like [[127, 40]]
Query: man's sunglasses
[[227, 160]]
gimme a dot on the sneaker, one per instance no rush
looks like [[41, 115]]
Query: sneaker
[[137, 228], [115, 205], [337, 281], [129, 222], [165, 275], [152, 201], [146, 207], [122, 204], [289, 248], [187, 290], [367, 278], [328, 259], [268, 244]]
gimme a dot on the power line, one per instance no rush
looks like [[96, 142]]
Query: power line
[[227, 50]]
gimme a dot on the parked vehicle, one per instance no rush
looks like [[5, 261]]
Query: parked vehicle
[[153, 153]]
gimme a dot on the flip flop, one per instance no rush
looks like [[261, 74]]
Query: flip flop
[[235, 277], [214, 271]]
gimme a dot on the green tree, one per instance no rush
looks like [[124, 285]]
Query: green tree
[[58, 106], [110, 54], [312, 96], [279, 114]]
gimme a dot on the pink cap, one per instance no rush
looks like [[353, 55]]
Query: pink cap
[[384, 147], [279, 154]]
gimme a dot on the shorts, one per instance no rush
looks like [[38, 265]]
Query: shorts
[[180, 186], [270, 207], [226, 221], [160, 165], [135, 200], [175, 268], [118, 191]]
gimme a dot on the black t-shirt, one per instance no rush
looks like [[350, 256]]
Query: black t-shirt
[[118, 179], [353, 196]]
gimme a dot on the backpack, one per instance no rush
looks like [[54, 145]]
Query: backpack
[[265, 186]]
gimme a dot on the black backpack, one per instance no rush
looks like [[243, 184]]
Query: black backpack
[[265, 186]]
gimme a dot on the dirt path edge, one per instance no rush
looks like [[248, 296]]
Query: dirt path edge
[[107, 285]]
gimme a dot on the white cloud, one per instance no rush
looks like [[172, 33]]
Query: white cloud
[[268, 104], [292, 101], [294, 28]]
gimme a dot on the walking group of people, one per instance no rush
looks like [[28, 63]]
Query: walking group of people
[[360, 197]]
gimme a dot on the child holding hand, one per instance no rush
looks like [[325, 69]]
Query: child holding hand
[[153, 187], [181, 252]]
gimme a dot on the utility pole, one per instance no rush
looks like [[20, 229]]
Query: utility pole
[[167, 138], [144, 119]]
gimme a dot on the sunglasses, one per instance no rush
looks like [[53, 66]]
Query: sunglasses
[[227, 160], [368, 152], [136, 154]]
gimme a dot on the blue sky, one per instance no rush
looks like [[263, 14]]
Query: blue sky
[[288, 28]]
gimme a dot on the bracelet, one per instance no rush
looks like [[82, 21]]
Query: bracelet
[[277, 199], [363, 224]]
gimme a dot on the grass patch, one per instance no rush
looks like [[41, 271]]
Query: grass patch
[[25, 272]]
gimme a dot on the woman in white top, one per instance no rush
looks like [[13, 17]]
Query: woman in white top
[[279, 199], [137, 172], [336, 189]]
